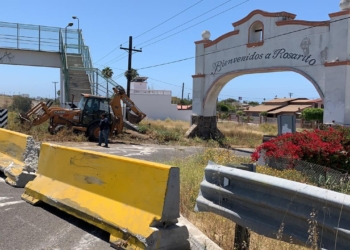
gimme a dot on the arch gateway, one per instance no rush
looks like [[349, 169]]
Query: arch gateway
[[273, 42]]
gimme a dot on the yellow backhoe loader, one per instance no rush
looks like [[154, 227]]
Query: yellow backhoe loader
[[87, 115]]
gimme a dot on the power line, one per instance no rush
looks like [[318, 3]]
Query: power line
[[237, 46], [120, 57], [186, 22], [168, 19], [111, 67], [155, 27]]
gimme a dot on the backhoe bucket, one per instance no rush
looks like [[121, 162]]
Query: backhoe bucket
[[35, 112], [132, 118]]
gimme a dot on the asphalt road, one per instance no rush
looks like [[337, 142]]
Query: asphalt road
[[27, 227], [149, 152]]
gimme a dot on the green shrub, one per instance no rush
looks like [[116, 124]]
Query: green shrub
[[143, 128], [21, 104], [312, 114], [168, 135]]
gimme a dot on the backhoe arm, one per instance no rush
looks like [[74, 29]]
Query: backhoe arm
[[117, 110], [131, 105], [117, 123]]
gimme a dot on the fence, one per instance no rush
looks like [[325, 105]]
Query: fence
[[277, 208], [315, 174], [150, 92]]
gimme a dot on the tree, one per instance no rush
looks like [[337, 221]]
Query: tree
[[230, 100], [222, 107], [107, 72], [253, 103], [184, 102], [240, 113], [58, 93], [312, 114], [134, 73], [264, 113], [21, 104]]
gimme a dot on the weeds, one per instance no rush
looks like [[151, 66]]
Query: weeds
[[313, 233], [40, 132], [164, 132], [217, 228], [236, 135]]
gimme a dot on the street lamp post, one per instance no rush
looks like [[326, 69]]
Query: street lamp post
[[75, 17], [69, 25]]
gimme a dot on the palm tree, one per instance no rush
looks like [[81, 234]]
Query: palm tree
[[134, 74], [108, 73]]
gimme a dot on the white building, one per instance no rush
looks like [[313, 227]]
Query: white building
[[156, 104]]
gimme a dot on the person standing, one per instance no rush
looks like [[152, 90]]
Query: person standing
[[104, 131]]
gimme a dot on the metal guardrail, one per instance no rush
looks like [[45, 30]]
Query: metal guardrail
[[35, 37], [277, 208]]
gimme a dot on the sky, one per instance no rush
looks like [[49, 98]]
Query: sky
[[108, 24]]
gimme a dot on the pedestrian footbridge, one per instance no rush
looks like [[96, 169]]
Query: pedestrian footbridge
[[43, 46]]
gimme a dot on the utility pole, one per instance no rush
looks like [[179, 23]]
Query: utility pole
[[55, 92], [188, 96], [182, 97], [290, 95], [130, 50]]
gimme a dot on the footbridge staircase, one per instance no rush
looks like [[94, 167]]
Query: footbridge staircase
[[24, 44]]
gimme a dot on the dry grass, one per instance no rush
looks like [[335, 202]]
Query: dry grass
[[236, 135], [244, 135], [5, 101], [164, 132], [40, 133], [217, 228]]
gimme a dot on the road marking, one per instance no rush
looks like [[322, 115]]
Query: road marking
[[141, 151], [86, 241], [10, 203]]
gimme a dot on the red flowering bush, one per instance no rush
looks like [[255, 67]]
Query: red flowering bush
[[329, 147]]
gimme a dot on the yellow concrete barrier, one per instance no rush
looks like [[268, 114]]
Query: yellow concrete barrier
[[136, 201], [17, 157]]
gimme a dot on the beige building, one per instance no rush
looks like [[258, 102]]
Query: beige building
[[278, 106]]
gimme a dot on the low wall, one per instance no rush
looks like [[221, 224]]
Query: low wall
[[159, 107]]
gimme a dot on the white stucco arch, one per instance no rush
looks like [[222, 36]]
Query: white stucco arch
[[318, 50], [210, 97]]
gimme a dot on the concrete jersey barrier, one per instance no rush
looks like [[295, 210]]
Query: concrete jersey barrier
[[18, 157], [136, 201]]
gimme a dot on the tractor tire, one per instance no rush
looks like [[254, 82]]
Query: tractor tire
[[59, 128], [55, 130], [94, 131]]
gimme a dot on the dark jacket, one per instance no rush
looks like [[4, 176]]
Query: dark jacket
[[104, 124]]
